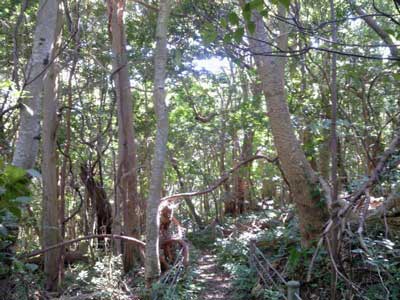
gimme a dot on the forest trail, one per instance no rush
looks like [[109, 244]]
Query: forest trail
[[215, 282]]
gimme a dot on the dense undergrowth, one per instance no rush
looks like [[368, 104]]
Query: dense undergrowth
[[371, 273]]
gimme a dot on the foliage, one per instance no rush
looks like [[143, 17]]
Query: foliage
[[103, 281], [14, 194]]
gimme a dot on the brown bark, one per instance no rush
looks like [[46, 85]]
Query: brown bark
[[51, 227], [50, 224], [126, 178], [303, 181]]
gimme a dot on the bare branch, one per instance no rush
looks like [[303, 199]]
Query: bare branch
[[220, 181], [88, 237]]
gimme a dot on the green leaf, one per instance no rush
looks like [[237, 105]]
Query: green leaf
[[228, 38], [14, 174], [285, 3], [224, 23], [233, 18], [15, 211], [246, 11], [238, 34], [251, 26], [256, 4], [208, 32], [264, 12]]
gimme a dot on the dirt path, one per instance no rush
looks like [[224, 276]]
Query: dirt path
[[215, 282]]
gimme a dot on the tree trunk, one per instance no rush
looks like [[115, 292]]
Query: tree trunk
[[50, 221], [152, 262], [27, 144], [245, 172], [126, 174], [302, 179]]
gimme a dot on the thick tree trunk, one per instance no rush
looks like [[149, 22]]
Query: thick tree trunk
[[27, 144], [152, 262], [50, 217], [303, 182], [126, 178]]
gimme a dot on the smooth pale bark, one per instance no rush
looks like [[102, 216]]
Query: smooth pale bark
[[27, 144], [50, 217], [126, 174], [303, 181], [152, 260]]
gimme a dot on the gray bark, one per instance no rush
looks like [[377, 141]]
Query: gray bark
[[27, 143], [152, 261]]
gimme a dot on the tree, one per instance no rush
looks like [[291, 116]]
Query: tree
[[44, 39], [152, 261], [50, 216], [126, 177], [303, 182]]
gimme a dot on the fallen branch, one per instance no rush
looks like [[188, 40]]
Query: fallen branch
[[220, 181], [88, 237]]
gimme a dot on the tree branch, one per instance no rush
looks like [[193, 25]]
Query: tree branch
[[88, 237], [220, 181]]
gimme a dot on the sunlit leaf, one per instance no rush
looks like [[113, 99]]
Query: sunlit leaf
[[233, 18]]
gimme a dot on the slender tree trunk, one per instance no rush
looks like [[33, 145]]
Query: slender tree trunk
[[27, 144], [245, 181], [50, 221], [333, 238], [66, 160], [303, 181], [152, 262], [126, 178], [50, 214]]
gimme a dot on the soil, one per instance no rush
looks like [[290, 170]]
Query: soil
[[215, 281]]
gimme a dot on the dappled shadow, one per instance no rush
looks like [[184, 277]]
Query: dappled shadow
[[214, 281]]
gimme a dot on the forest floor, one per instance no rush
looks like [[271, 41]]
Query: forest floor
[[215, 282]]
